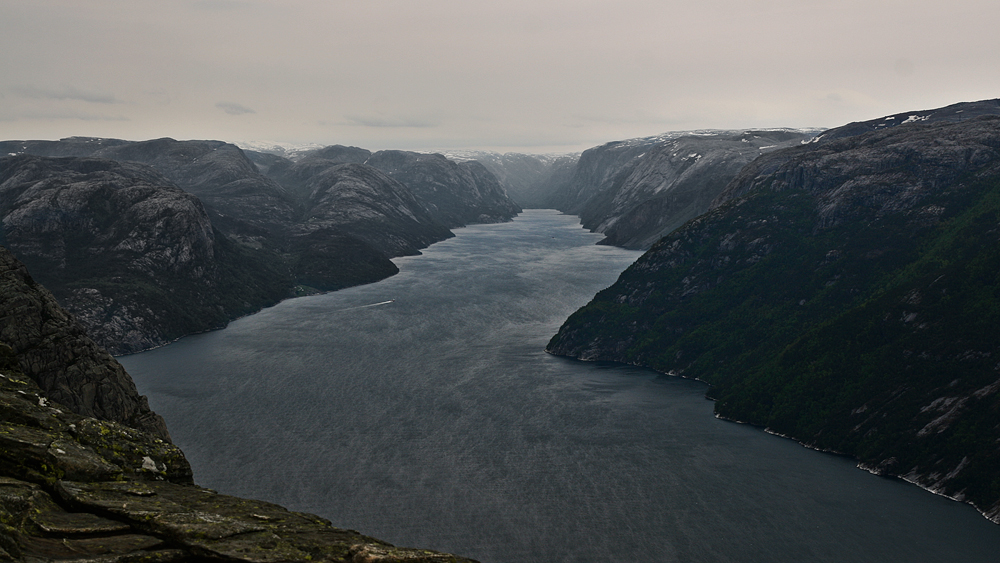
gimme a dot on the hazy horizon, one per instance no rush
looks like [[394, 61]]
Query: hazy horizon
[[546, 76]]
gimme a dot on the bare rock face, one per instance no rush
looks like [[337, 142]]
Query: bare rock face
[[453, 193], [51, 348], [140, 262], [638, 190], [955, 113], [456, 194], [133, 256], [369, 205], [65, 214], [219, 173]]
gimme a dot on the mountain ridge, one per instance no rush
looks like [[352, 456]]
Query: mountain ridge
[[149, 241]]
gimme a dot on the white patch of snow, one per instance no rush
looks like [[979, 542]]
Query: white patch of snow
[[915, 118]]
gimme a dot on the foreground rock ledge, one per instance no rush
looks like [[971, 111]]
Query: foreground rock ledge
[[74, 488]]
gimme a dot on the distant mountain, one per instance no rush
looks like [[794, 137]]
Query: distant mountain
[[636, 191], [456, 194], [843, 293], [529, 179], [369, 205], [951, 114]]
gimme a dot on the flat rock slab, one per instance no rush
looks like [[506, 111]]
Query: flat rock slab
[[66, 548], [224, 527]]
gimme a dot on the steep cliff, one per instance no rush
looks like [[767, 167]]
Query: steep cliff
[[51, 348], [950, 114], [455, 194], [636, 191], [843, 293], [369, 205], [219, 173], [135, 258]]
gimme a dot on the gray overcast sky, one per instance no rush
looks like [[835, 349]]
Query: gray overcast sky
[[524, 75]]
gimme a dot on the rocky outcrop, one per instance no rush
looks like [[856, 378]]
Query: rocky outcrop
[[842, 293], [53, 349], [638, 190], [79, 488], [294, 176]]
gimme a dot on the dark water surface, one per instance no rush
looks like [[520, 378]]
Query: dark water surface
[[437, 421]]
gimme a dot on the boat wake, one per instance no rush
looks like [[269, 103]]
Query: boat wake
[[379, 304]]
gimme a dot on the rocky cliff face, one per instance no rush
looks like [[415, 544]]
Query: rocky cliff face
[[51, 348], [369, 205], [75, 486], [133, 256], [638, 190], [842, 293], [454, 194], [218, 173]]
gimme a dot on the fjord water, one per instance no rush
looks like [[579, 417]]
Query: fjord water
[[422, 410]]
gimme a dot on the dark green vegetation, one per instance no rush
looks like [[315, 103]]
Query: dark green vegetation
[[845, 294]]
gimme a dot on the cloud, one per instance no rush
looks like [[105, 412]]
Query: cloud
[[220, 5], [233, 108], [36, 116], [64, 92], [389, 121]]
